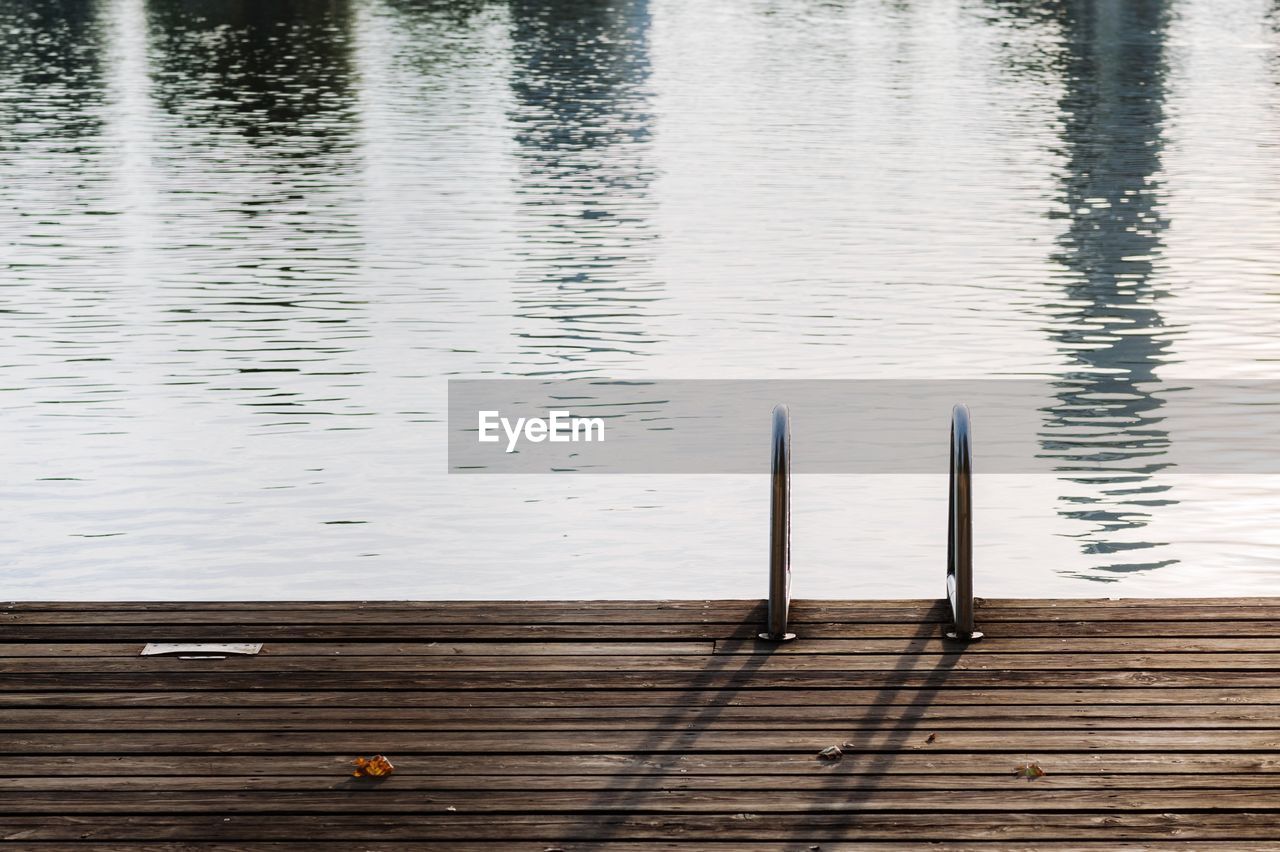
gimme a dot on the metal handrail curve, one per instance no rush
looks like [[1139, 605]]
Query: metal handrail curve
[[780, 529], [960, 529]]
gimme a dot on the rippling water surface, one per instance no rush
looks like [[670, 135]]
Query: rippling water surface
[[243, 245]]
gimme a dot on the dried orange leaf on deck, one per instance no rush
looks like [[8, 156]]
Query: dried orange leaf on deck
[[1031, 772], [830, 753], [373, 767]]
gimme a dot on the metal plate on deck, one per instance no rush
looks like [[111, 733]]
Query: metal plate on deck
[[202, 649]]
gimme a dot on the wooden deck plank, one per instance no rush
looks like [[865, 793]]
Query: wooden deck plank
[[517, 740], [625, 605], [723, 665], [812, 646], [337, 765], [358, 718], [373, 801], [641, 846], [634, 846], [904, 827], [322, 603], [372, 629], [394, 695], [711, 679], [661, 647], [396, 649], [995, 644], [848, 784], [652, 724], [645, 612]]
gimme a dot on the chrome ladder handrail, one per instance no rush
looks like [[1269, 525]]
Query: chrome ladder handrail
[[960, 529], [780, 529]]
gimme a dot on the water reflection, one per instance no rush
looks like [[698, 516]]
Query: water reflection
[[255, 163], [245, 243], [1105, 423], [584, 125], [52, 89], [51, 70], [275, 71]]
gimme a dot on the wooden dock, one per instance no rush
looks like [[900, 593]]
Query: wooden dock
[[643, 726]]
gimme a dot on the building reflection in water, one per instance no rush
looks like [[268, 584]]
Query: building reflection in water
[[53, 105], [51, 67], [255, 156], [583, 124], [1103, 427], [276, 70]]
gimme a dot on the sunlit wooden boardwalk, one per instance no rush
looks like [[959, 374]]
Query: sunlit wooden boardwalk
[[643, 726]]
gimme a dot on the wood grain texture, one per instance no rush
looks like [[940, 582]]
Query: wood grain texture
[[642, 725]]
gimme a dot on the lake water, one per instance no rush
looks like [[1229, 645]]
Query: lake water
[[243, 246]]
